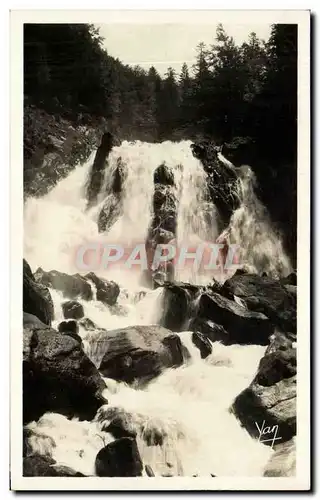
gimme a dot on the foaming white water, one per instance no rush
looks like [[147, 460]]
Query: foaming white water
[[143, 307], [57, 223], [69, 442], [187, 407], [197, 216], [141, 160], [182, 420], [261, 248]]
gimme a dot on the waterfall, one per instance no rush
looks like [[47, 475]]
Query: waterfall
[[261, 248], [188, 406]]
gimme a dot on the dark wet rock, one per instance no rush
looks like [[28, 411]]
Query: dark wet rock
[[265, 295], [165, 219], [120, 458], [164, 175], [119, 176], [38, 465], [221, 181], [88, 324], [107, 291], [30, 321], [52, 148], [291, 279], [98, 168], [276, 366], [36, 297], [239, 151], [282, 462], [178, 305], [163, 226], [174, 345], [202, 343], [27, 270], [70, 328], [58, 377], [72, 309], [153, 436], [110, 212], [243, 327], [279, 341], [121, 426], [72, 286], [149, 471], [44, 466], [271, 397], [205, 151], [163, 196], [139, 353], [161, 236], [275, 405], [124, 421], [64, 471], [209, 329]]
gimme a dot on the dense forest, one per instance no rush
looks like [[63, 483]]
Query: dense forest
[[242, 97]]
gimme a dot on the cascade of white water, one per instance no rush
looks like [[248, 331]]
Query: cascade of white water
[[260, 247], [188, 406]]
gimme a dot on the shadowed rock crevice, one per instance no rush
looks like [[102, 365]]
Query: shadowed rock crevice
[[98, 168]]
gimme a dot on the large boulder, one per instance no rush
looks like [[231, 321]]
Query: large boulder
[[139, 353], [98, 168], [163, 175], [265, 295], [58, 376], [107, 291], [36, 297], [178, 305], [210, 330], [31, 321], [70, 328], [72, 286], [271, 397], [120, 458], [243, 326], [121, 426], [72, 309]]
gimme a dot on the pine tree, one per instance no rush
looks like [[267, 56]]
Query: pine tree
[[168, 104]]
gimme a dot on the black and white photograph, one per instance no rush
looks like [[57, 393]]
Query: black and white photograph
[[161, 176]]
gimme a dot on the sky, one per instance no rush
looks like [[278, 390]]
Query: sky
[[164, 45]]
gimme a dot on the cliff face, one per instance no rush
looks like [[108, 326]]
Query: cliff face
[[52, 148]]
